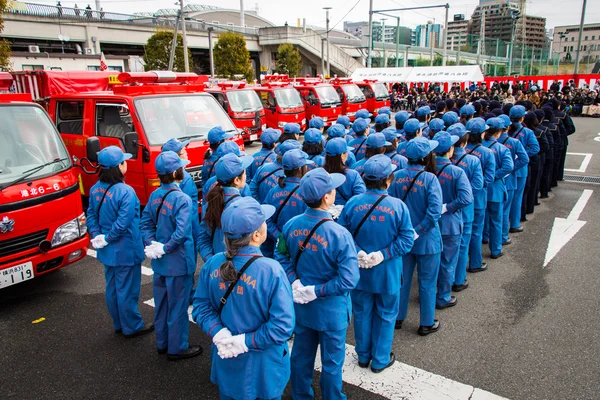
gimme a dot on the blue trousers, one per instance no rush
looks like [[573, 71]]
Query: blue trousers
[[224, 397], [515, 209], [448, 261], [494, 218], [506, 215], [171, 302], [374, 320], [333, 353], [428, 267], [475, 257], [122, 296], [463, 254]]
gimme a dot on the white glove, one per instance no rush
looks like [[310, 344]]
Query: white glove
[[99, 242], [159, 249], [363, 259], [297, 284], [416, 235], [150, 253], [224, 351], [335, 211], [237, 345], [444, 208], [305, 295], [375, 258]]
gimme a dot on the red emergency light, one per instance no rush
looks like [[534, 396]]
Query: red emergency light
[[133, 78], [340, 81], [275, 78], [232, 85], [6, 81], [308, 81]]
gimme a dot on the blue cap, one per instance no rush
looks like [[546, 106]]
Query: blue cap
[[292, 128], [243, 217], [316, 122], [168, 162], [450, 118], [436, 125], [419, 147], [477, 126], [467, 110], [317, 183], [343, 120], [337, 146], [506, 119], [313, 136], [457, 130], [362, 113], [360, 125], [270, 136], [174, 145], [228, 147], [495, 123], [111, 156], [382, 119], [336, 130], [412, 126], [426, 110], [377, 140], [216, 134], [390, 133], [445, 141], [378, 167], [287, 146], [517, 112], [229, 166], [294, 159], [384, 110], [401, 117]]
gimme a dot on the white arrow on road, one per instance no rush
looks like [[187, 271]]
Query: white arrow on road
[[564, 230]]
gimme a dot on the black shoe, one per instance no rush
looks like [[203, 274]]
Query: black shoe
[[146, 329], [399, 324], [544, 196], [484, 241], [191, 351], [161, 351], [497, 255], [517, 230], [537, 203], [364, 364], [480, 269], [507, 242], [460, 288], [118, 331], [426, 330], [378, 370], [451, 303], [524, 219]]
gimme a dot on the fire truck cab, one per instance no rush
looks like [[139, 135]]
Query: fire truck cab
[[281, 102], [352, 97], [376, 93], [320, 99]]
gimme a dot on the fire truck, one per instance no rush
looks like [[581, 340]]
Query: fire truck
[[243, 106], [42, 223], [352, 97], [281, 102], [376, 93], [138, 112], [320, 99]]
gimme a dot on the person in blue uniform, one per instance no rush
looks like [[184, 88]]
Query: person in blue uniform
[[450, 118], [417, 186], [436, 125], [383, 233], [376, 144], [382, 121], [400, 118], [267, 176], [466, 113], [266, 154], [313, 146], [391, 135], [336, 154], [456, 195], [230, 178], [291, 131], [423, 114], [317, 123], [412, 129], [472, 168], [216, 136], [322, 275], [344, 121], [476, 127], [385, 110], [166, 228], [250, 329], [113, 218], [527, 138], [360, 127], [336, 131], [497, 190]]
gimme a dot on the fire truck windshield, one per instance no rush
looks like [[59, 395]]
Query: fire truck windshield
[[327, 95], [288, 98], [381, 92], [244, 100], [353, 93], [31, 147], [180, 116]]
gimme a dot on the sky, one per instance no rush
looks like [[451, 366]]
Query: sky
[[557, 12]]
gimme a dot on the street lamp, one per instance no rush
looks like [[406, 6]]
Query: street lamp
[[383, 63], [514, 14], [327, 37], [561, 37]]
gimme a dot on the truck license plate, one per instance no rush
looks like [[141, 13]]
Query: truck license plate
[[16, 274], [253, 137]]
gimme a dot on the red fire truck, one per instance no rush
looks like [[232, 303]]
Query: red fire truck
[[376, 93], [320, 99], [42, 224], [281, 101], [243, 106], [352, 97], [139, 112]]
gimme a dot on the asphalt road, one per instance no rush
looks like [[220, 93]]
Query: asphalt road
[[520, 331]]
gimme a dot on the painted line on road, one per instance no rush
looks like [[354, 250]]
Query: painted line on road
[[580, 205], [145, 270], [584, 164]]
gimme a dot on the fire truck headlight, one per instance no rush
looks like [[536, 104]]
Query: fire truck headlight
[[70, 231]]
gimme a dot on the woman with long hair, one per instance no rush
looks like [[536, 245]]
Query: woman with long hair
[[313, 146], [336, 154], [391, 150]]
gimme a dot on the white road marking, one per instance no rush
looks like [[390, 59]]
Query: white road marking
[[586, 161], [145, 270], [91, 253], [564, 229]]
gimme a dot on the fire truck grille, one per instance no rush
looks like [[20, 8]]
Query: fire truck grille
[[22, 243]]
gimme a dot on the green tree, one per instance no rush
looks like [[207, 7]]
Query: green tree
[[4, 44], [158, 51], [232, 57], [289, 60]]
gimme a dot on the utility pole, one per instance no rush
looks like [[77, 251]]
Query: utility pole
[[397, 39], [481, 44], [174, 43], [327, 37], [431, 36], [185, 48], [458, 52], [370, 33], [383, 61], [496, 58], [580, 35], [323, 57], [523, 35], [445, 44], [561, 37], [210, 52], [242, 16]]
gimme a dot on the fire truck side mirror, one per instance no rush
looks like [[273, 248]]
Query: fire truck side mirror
[[131, 143], [92, 148]]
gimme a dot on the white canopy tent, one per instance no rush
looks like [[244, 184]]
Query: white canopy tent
[[462, 73]]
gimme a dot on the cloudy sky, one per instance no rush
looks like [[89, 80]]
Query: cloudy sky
[[557, 12]]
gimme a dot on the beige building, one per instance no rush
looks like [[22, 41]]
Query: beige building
[[457, 32], [566, 46]]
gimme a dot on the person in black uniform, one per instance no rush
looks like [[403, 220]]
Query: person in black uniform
[[536, 163], [548, 170]]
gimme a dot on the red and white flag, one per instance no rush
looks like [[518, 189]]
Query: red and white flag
[[103, 66]]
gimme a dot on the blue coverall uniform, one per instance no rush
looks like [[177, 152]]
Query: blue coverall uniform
[[261, 157], [360, 147], [265, 179], [398, 160], [244, 192], [532, 147], [354, 185], [208, 167]]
